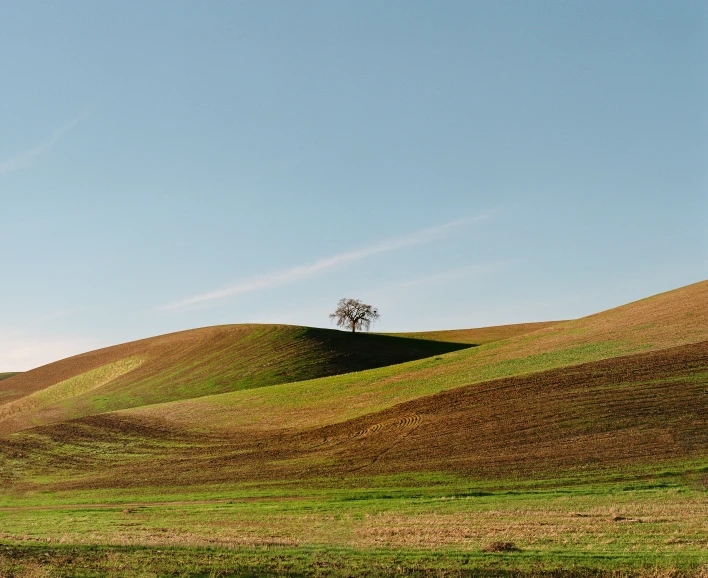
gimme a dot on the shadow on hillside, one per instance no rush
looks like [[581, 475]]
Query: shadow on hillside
[[360, 351]]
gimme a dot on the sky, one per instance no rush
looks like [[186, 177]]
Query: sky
[[172, 165]]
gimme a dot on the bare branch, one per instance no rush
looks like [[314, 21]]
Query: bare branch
[[353, 314]]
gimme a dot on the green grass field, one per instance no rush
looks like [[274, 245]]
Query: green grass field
[[577, 448], [635, 523]]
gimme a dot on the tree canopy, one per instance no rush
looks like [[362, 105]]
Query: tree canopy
[[353, 314]]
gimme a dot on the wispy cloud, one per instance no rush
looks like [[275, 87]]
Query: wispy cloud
[[301, 272], [29, 157]]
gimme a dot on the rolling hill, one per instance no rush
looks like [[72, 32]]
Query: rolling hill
[[625, 386]]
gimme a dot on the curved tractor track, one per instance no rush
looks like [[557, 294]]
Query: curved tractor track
[[397, 426]]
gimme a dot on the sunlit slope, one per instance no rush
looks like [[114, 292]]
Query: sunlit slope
[[478, 336], [675, 318], [194, 363]]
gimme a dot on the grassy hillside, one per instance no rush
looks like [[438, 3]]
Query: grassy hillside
[[206, 362], [8, 374], [195, 363]]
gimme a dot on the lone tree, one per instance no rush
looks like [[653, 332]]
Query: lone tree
[[353, 314]]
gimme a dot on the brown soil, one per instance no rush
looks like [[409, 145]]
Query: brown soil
[[500, 547], [669, 319]]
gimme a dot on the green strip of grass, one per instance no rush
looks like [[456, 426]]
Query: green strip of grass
[[273, 560], [649, 520], [582, 481]]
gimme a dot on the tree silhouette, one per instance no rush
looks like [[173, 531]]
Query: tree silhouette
[[353, 314]]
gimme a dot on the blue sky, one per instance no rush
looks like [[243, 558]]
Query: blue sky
[[170, 165]]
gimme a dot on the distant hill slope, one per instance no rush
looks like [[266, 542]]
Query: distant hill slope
[[195, 363], [8, 374], [478, 336]]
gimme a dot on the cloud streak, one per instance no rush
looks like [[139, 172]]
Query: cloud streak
[[27, 158], [304, 271]]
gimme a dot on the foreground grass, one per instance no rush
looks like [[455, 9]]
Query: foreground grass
[[33, 561], [642, 522]]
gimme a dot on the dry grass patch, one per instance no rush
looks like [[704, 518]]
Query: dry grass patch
[[501, 547]]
